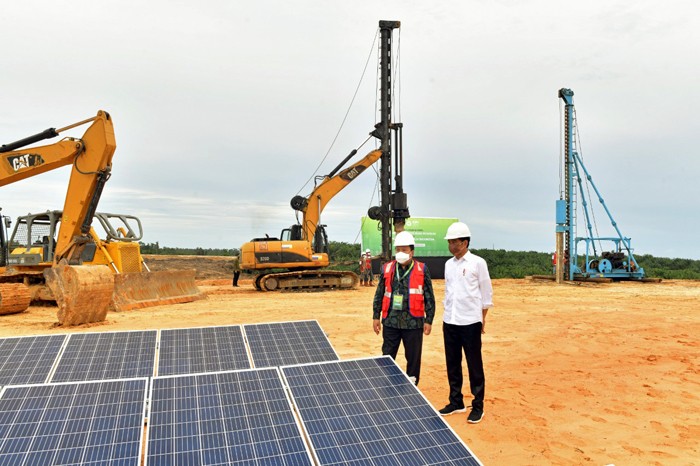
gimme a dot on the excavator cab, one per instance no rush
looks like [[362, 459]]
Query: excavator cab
[[296, 232], [293, 233], [33, 239]]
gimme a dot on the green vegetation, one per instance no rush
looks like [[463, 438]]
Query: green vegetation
[[519, 264], [515, 264], [155, 248], [663, 267], [502, 263]]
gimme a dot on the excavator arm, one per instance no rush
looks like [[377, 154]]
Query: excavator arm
[[332, 184], [91, 157], [299, 253], [84, 293]]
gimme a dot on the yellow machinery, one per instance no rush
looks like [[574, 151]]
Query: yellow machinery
[[297, 259], [302, 250], [60, 249]]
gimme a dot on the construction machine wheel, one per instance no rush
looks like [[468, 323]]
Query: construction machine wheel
[[256, 282], [14, 298], [271, 284]]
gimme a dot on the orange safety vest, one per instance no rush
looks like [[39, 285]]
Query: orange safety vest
[[366, 263], [416, 279]]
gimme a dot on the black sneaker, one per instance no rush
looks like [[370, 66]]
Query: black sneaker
[[475, 417], [451, 409]]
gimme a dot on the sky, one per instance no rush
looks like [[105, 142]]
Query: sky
[[224, 109]]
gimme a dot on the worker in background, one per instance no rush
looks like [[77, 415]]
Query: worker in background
[[366, 273], [468, 296], [236, 265], [405, 303]]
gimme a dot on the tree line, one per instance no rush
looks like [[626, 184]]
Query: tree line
[[502, 263]]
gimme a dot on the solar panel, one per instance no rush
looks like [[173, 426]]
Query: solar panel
[[107, 355], [366, 411], [286, 343], [95, 423], [236, 417], [203, 349], [27, 360]]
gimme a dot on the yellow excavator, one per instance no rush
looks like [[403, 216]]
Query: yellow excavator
[[57, 255], [298, 259], [302, 250]]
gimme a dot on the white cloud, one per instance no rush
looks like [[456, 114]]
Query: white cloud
[[222, 111]]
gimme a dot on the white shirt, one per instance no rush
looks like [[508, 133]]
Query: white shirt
[[467, 290]]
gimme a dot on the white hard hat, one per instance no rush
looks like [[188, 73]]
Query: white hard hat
[[458, 230], [367, 251], [404, 238]]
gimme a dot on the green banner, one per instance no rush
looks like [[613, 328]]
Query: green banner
[[428, 232]]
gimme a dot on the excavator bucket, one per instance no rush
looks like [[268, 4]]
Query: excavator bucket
[[82, 292], [14, 298], [137, 290]]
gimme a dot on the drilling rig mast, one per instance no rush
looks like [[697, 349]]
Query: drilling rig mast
[[596, 264], [393, 208]]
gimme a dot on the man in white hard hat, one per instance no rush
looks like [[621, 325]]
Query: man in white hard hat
[[366, 274], [468, 296], [405, 303]]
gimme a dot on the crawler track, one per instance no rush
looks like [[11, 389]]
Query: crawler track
[[308, 280]]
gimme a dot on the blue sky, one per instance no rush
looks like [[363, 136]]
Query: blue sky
[[224, 109]]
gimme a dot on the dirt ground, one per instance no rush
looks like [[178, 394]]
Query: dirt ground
[[576, 374]]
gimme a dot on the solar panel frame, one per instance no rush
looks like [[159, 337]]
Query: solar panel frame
[[275, 344], [107, 355], [73, 423], [367, 411], [197, 350], [241, 417], [29, 359]]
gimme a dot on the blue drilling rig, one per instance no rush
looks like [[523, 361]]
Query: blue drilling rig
[[593, 263]]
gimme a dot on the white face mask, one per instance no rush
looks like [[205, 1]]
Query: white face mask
[[402, 258]]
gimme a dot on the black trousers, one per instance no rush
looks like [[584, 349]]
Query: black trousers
[[465, 338], [412, 346], [236, 274]]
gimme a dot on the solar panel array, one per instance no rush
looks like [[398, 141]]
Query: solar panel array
[[207, 406], [286, 343], [203, 349], [107, 355], [115, 355], [368, 412], [96, 423], [239, 417], [28, 360]]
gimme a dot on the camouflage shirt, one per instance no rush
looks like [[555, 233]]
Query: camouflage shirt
[[402, 318]]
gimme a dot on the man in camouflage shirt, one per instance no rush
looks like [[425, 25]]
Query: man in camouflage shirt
[[405, 303], [236, 266]]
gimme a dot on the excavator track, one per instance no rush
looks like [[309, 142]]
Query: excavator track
[[307, 280]]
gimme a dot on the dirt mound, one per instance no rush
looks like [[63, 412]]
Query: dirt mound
[[575, 374], [207, 267]]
